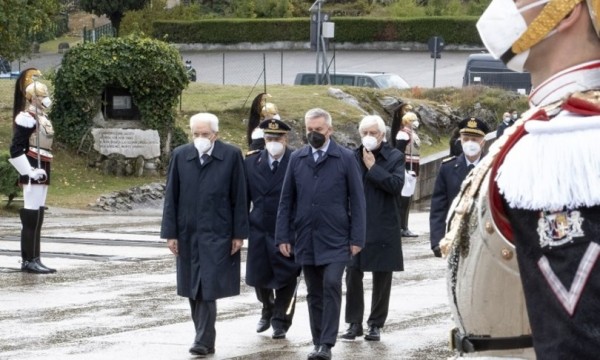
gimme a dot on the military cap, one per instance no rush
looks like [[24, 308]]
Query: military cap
[[274, 126], [473, 126]]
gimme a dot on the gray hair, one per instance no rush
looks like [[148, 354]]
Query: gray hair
[[317, 113], [371, 120], [209, 118]]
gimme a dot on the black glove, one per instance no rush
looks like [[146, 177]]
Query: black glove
[[437, 252]]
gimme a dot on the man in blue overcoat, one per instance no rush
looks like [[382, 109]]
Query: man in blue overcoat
[[451, 175], [273, 275], [323, 198], [205, 219]]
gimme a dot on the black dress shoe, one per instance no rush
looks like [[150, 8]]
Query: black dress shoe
[[39, 261], [408, 233], [324, 353], [279, 334], [373, 334], [313, 354], [32, 266], [263, 325], [353, 331], [199, 349]]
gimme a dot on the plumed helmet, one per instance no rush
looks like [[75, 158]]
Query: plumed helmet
[[269, 111], [27, 78], [594, 10], [409, 117], [37, 89]]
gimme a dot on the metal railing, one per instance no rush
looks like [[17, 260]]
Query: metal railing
[[94, 34]]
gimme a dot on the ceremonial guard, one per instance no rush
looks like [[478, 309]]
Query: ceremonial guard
[[405, 138], [31, 156], [527, 220], [451, 174], [273, 275], [259, 111]]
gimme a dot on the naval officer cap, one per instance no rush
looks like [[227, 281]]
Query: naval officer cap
[[473, 126], [274, 127]]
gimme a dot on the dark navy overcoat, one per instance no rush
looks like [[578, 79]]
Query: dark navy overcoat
[[325, 202], [447, 184], [266, 267], [383, 187], [205, 208]]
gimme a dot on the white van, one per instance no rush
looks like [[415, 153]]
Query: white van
[[379, 80]]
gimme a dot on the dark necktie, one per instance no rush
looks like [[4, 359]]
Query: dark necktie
[[204, 158], [471, 167], [274, 166], [319, 155]]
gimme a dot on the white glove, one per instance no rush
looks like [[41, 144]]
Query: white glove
[[37, 174], [24, 168]]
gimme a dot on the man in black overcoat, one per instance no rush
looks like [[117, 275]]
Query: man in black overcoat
[[273, 275], [205, 219], [382, 169]]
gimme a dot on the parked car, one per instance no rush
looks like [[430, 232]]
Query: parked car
[[380, 80], [484, 69], [6, 70]]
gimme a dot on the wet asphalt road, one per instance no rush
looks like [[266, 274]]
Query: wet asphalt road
[[113, 297], [246, 67]]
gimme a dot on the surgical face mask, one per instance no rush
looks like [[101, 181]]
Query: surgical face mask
[[370, 142], [46, 102], [275, 148], [515, 116], [315, 139], [415, 124], [500, 26], [471, 148], [202, 144], [507, 119]]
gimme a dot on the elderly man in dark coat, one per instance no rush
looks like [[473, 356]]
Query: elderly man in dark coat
[[383, 175], [205, 220], [273, 275], [323, 197]]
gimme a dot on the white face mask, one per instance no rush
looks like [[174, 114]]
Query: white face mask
[[507, 119], [46, 102], [471, 148], [501, 25], [370, 142], [415, 124], [275, 148], [202, 144]]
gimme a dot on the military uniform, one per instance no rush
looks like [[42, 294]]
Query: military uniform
[[273, 275], [447, 183]]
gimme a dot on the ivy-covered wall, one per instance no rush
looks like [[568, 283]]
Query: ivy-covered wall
[[150, 69]]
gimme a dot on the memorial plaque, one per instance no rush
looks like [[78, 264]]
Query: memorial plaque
[[130, 143]]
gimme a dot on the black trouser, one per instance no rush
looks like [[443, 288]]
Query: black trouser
[[404, 210], [32, 221], [276, 303], [204, 315], [324, 298], [380, 299]]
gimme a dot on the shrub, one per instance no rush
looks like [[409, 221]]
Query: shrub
[[8, 177]]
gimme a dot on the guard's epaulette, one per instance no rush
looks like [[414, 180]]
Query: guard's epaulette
[[252, 152], [448, 159]]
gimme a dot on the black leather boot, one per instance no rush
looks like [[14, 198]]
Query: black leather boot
[[29, 220], [37, 246]]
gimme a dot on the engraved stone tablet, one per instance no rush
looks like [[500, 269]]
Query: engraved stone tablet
[[128, 142]]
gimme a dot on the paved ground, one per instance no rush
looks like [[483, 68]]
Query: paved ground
[[114, 298]]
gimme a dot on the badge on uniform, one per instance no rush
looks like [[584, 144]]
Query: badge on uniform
[[560, 227]]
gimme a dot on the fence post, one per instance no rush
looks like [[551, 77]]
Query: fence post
[[281, 67], [223, 68], [265, 71]]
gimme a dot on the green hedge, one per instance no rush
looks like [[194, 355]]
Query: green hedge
[[8, 177], [454, 30]]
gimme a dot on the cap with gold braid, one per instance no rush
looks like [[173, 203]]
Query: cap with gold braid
[[473, 126]]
